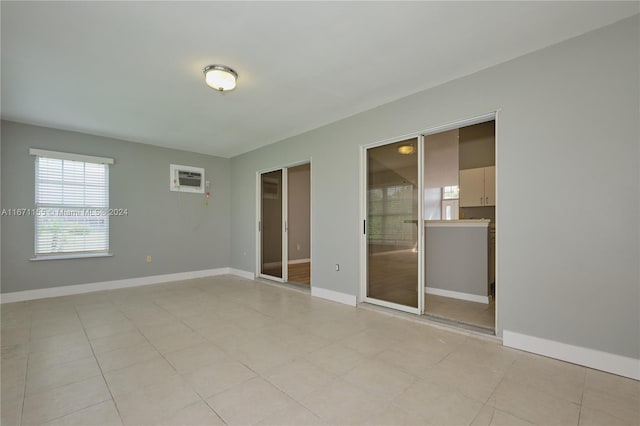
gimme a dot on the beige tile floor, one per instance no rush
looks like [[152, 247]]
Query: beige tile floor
[[226, 350], [474, 313]]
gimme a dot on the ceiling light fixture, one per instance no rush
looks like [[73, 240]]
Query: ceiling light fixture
[[220, 77], [406, 149]]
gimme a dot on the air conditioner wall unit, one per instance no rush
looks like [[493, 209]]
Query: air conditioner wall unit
[[186, 179]]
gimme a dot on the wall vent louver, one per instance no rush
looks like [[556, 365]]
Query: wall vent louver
[[186, 179]]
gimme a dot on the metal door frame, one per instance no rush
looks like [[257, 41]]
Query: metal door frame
[[364, 215], [421, 243], [285, 219]]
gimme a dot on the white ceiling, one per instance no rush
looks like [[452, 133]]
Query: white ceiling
[[133, 70]]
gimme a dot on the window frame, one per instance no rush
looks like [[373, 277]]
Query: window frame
[[39, 153]]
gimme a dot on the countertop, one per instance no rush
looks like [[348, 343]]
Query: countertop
[[482, 223]]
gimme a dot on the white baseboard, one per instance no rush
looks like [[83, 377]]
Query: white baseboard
[[336, 296], [605, 361], [20, 296], [242, 274], [457, 295], [294, 261]]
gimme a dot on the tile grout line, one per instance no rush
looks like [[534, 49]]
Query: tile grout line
[[66, 384], [26, 369], [584, 384], [240, 361], [214, 411], [202, 398], [99, 366], [504, 377], [495, 389], [168, 362], [77, 411]]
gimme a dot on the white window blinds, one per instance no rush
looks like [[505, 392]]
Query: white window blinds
[[72, 204]]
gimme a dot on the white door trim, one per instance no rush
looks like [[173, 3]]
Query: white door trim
[[285, 224], [421, 242], [496, 289], [258, 229], [362, 294]]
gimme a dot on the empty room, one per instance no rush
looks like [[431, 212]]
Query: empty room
[[320, 213]]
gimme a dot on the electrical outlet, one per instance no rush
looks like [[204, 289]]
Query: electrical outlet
[[148, 259], [337, 266], [298, 246]]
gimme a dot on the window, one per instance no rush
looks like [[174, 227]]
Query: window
[[450, 203], [451, 192], [391, 210], [72, 204]]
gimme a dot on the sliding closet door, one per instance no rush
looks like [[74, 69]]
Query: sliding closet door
[[299, 224], [272, 221], [392, 220]]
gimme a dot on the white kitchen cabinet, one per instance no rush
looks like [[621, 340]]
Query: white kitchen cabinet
[[490, 186], [471, 187], [478, 187]]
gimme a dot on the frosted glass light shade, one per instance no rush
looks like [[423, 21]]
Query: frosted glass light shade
[[220, 77], [406, 149]]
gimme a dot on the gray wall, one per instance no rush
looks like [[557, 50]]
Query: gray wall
[[176, 229], [568, 119], [456, 259], [299, 214]]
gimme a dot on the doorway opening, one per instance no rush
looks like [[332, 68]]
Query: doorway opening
[[299, 235], [430, 224], [284, 225], [460, 225]]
